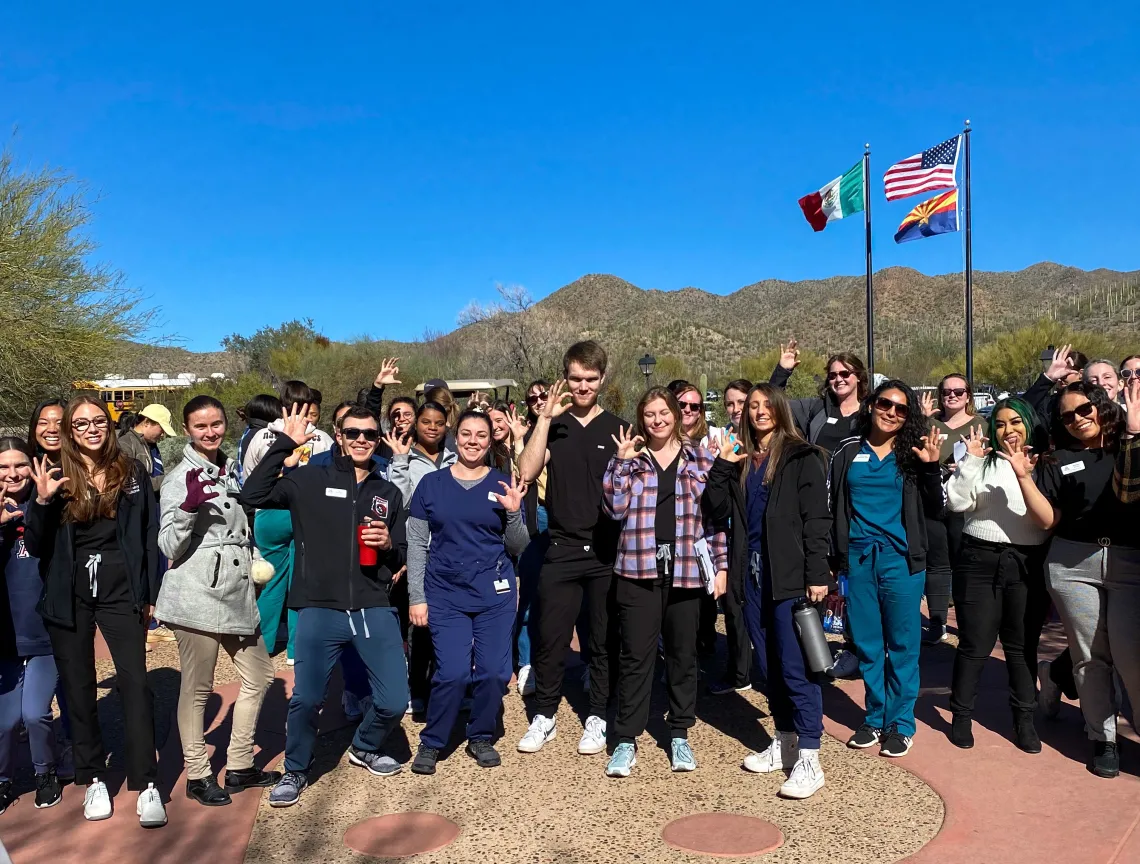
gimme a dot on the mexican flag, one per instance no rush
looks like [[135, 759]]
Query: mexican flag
[[841, 197]]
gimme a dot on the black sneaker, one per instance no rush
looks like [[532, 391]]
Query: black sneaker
[[895, 743], [7, 799], [425, 760], [865, 737], [48, 791], [723, 688], [1106, 759], [483, 753], [962, 733], [250, 778]]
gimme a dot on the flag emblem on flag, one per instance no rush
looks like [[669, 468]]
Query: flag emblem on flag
[[924, 172], [939, 215], [841, 197]]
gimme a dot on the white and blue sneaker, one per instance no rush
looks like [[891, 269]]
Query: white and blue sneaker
[[288, 790], [682, 755], [376, 763], [623, 760]]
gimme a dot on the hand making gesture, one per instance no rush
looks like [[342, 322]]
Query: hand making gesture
[[976, 442], [518, 424], [48, 479], [929, 406], [388, 372], [931, 449], [559, 400], [790, 354], [730, 449], [1060, 366], [1021, 460], [627, 442], [199, 490], [1132, 404], [9, 512], [401, 444], [297, 426], [512, 496]]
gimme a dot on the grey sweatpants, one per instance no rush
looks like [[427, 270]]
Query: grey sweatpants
[[1097, 592]]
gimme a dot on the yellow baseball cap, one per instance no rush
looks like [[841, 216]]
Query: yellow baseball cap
[[160, 414]]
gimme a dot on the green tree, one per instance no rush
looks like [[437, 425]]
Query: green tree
[[63, 315], [803, 382], [1012, 360], [276, 352]]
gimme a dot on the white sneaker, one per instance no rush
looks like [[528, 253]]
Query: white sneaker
[[151, 812], [290, 662], [806, 778], [781, 755], [97, 802], [593, 736], [526, 681], [542, 729]]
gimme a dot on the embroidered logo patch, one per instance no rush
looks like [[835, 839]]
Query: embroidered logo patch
[[132, 487], [380, 507]]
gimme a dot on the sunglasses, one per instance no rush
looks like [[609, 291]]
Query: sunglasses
[[354, 432], [1070, 417], [888, 407], [1129, 373], [954, 391], [82, 425], [691, 407], [844, 374], [536, 397]]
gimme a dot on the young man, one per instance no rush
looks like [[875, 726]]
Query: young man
[[336, 510], [574, 439], [141, 443]]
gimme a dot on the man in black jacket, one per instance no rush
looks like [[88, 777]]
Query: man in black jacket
[[338, 511]]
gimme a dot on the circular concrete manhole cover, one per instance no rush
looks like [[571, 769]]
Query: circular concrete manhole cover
[[722, 835], [401, 835]]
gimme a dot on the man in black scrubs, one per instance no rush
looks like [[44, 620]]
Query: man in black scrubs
[[574, 439]]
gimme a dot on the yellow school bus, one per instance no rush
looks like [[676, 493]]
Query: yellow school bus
[[121, 394]]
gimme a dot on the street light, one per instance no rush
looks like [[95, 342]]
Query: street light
[[647, 364]]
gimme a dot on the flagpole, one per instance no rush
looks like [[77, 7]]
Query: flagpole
[[870, 277], [969, 267]]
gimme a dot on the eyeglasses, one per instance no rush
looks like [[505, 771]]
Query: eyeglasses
[[81, 426], [959, 392], [690, 407], [1070, 417], [844, 374], [1129, 373], [888, 406], [354, 432], [535, 398]]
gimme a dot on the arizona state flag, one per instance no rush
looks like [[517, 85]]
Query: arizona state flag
[[939, 215]]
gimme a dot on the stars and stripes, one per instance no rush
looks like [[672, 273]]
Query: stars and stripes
[[929, 170]]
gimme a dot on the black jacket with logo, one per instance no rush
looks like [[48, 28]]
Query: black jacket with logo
[[327, 505]]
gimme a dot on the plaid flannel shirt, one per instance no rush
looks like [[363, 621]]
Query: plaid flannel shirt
[[1126, 477], [629, 494]]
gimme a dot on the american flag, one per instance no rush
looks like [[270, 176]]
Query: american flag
[[931, 169]]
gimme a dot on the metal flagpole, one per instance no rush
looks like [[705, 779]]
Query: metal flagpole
[[969, 267], [870, 277]]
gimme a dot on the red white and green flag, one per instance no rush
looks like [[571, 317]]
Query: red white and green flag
[[841, 197]]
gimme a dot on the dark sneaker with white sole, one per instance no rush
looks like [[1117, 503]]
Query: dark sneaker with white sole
[[484, 753], [376, 763], [865, 737], [7, 798], [895, 744], [48, 789]]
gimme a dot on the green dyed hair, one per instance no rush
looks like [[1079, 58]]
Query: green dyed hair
[[1028, 418]]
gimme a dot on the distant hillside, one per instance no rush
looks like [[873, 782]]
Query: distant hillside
[[138, 360]]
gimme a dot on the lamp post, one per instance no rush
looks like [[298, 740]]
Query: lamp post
[[647, 364]]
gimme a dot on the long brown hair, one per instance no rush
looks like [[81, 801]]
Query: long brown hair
[[84, 502], [675, 409], [701, 430], [784, 433], [852, 363]]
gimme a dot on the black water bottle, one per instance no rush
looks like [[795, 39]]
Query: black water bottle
[[812, 639]]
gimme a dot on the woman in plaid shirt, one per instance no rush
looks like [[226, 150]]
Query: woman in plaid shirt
[[655, 491]]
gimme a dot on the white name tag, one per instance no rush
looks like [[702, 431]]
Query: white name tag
[[330, 492], [862, 457], [491, 497], [832, 420], [502, 586], [601, 446], [1072, 467]]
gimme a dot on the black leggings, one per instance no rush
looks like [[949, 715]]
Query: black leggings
[[944, 538]]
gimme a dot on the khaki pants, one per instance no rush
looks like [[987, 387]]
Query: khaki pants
[[198, 655]]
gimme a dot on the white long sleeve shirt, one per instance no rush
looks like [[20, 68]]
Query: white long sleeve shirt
[[992, 501]]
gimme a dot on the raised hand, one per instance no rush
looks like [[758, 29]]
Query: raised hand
[[1021, 460], [627, 442], [1059, 366], [388, 372], [790, 354], [931, 448], [1132, 405], [198, 491], [512, 496], [48, 479], [297, 425], [929, 406], [559, 400], [401, 444], [730, 449], [9, 512], [479, 402], [518, 425], [976, 442]]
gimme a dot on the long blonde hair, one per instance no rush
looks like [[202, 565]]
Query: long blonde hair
[[784, 434], [84, 502], [701, 430]]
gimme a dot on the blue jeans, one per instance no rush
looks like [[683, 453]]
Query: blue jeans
[[884, 609], [322, 635], [530, 565], [794, 696], [27, 685]]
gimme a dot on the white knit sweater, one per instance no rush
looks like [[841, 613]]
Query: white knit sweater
[[992, 501]]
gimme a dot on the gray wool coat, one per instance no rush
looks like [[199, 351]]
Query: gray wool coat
[[207, 587]]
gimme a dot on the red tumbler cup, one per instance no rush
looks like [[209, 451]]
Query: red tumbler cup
[[367, 553]]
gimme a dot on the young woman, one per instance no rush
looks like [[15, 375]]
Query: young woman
[[28, 676], [1093, 563], [402, 415], [773, 486], [258, 413], [207, 598], [999, 583], [464, 525], [692, 402], [92, 523], [442, 397], [884, 483], [45, 431], [830, 418], [656, 495], [501, 454], [537, 523]]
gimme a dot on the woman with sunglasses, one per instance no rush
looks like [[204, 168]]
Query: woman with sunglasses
[[999, 582], [829, 418], [692, 402], [1129, 370], [884, 483], [92, 523], [530, 562], [1093, 564]]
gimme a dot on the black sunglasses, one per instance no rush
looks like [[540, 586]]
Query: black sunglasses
[[1070, 417], [689, 406], [535, 397], [887, 406], [354, 432], [844, 374], [954, 391]]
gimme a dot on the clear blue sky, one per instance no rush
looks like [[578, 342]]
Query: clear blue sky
[[263, 161]]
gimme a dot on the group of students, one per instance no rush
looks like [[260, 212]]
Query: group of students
[[424, 558]]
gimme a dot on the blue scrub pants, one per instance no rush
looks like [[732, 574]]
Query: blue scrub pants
[[794, 696], [530, 565], [322, 635], [884, 610], [26, 687], [460, 638]]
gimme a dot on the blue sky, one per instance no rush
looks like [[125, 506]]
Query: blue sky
[[256, 162]]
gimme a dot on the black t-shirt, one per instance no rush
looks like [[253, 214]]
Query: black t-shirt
[[578, 459], [1079, 484], [665, 520], [834, 432], [101, 535]]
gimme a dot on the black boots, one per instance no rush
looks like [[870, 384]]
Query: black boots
[[961, 732], [1106, 759], [1024, 735]]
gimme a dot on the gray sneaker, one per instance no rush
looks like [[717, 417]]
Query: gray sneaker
[[288, 790], [376, 763]]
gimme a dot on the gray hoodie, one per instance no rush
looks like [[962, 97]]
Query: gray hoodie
[[406, 471]]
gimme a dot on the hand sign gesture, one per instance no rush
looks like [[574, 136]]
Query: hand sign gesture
[[730, 449], [478, 401], [518, 425], [626, 442], [929, 406], [790, 354], [559, 400], [976, 442], [198, 491], [1132, 405], [48, 479], [1020, 460], [297, 426], [9, 512], [931, 448], [1059, 367], [401, 444], [512, 496], [388, 372]]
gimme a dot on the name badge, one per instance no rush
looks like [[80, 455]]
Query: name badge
[[601, 446], [862, 457], [831, 421], [491, 497], [502, 586], [1073, 467], [331, 492]]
